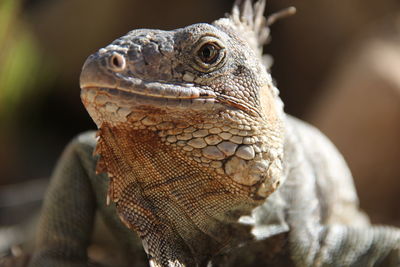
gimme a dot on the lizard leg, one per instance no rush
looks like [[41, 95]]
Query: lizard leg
[[340, 245], [326, 226], [66, 222]]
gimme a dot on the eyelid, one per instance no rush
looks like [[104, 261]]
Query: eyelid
[[208, 39]]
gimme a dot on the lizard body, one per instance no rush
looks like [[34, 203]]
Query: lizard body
[[202, 162]]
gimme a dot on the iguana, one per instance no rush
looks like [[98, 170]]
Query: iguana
[[195, 154]]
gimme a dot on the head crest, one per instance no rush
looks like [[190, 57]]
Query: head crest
[[250, 21]]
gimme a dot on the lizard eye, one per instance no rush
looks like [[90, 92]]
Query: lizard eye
[[208, 53]]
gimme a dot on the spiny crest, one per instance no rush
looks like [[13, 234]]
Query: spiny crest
[[250, 21]]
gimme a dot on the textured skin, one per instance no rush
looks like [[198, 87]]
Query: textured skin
[[202, 162]]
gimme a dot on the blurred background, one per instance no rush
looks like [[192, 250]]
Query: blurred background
[[336, 63]]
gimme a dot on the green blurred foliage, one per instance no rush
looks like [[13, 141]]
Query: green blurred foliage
[[21, 66]]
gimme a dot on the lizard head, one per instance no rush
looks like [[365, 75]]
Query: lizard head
[[197, 99], [202, 88]]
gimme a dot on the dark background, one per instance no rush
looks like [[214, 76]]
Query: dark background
[[43, 44]]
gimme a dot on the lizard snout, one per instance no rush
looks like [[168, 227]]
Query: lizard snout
[[97, 67]]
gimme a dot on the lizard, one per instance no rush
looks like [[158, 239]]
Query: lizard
[[196, 155]]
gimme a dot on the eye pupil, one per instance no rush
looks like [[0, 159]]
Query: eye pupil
[[208, 53]]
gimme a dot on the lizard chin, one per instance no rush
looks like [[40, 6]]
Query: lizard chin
[[118, 105]]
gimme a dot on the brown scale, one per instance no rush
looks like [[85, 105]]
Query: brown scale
[[167, 199]]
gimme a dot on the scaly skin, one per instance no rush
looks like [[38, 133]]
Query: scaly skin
[[193, 137]]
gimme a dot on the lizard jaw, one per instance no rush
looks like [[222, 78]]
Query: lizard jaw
[[171, 96], [96, 80], [103, 102], [134, 86]]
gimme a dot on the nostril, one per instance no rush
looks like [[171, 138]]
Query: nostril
[[117, 62]]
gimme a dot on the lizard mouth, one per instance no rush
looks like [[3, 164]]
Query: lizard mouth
[[165, 95], [153, 89], [100, 86], [153, 94]]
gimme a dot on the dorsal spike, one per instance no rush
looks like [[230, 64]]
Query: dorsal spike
[[259, 8], [249, 19], [247, 13], [284, 13]]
